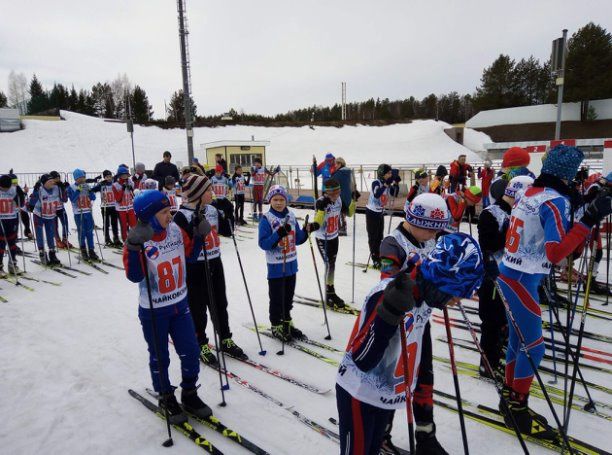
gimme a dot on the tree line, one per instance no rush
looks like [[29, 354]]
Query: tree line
[[505, 83]]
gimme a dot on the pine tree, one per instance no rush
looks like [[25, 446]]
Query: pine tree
[[497, 85], [103, 102], [73, 100], [176, 110], [3, 100], [39, 100], [142, 111], [58, 98], [588, 74]]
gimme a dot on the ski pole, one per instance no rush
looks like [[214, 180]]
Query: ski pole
[[585, 307], [550, 318], [498, 386], [608, 232], [367, 263], [323, 301], [407, 388], [97, 236], [353, 271], [391, 211], [168, 442], [21, 234], [262, 351], [283, 296], [67, 239], [33, 228], [451, 353], [534, 367]]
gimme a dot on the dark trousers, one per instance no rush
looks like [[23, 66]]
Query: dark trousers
[[362, 426], [375, 225], [25, 220], [8, 237], [111, 220], [173, 320], [494, 323], [239, 210], [199, 301], [280, 291], [329, 252], [422, 402]]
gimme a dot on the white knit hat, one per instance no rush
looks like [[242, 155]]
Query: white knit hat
[[428, 211]]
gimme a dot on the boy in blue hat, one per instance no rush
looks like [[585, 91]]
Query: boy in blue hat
[[156, 245], [539, 236], [81, 196]]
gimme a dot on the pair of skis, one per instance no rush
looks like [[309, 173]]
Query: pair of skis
[[309, 301]]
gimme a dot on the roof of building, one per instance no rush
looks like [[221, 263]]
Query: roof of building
[[210, 145]]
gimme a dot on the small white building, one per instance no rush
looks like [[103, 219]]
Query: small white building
[[9, 120]]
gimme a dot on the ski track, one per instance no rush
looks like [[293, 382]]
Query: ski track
[[70, 354]]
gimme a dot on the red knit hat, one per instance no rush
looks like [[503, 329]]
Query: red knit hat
[[218, 168], [516, 157], [473, 194]]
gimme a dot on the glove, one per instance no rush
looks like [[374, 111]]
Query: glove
[[283, 231], [202, 227], [490, 267], [84, 188], [311, 227], [356, 195], [597, 210], [138, 235], [397, 300], [98, 178], [352, 208]]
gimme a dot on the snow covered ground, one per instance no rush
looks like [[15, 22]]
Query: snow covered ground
[[69, 354], [93, 144]]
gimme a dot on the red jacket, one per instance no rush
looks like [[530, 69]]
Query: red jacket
[[486, 176]]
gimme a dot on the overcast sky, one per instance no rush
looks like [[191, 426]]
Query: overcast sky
[[269, 56]]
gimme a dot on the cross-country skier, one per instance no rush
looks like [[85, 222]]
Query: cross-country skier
[[371, 379], [124, 198], [82, 197], [9, 220], [221, 186], [22, 198], [375, 211], [426, 215], [43, 204], [279, 234], [139, 178], [492, 228], [107, 207], [259, 176], [62, 216], [196, 202], [437, 184], [172, 192], [421, 185], [348, 192], [539, 236], [240, 182], [166, 250], [325, 227]]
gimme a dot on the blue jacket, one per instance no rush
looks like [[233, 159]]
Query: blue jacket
[[268, 240], [345, 179]]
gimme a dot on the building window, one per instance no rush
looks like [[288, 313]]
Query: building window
[[245, 147], [243, 159]]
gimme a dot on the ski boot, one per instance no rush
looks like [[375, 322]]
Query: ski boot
[[281, 332], [528, 421], [206, 355], [599, 288], [93, 256], [295, 333], [84, 255], [109, 243], [18, 251], [60, 244], [29, 235], [2, 272], [426, 442], [387, 447], [194, 405], [53, 260], [14, 269], [332, 299], [498, 372], [232, 349], [117, 243], [176, 416], [44, 260]]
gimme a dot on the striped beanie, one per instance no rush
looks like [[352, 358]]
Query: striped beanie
[[562, 162], [194, 187]]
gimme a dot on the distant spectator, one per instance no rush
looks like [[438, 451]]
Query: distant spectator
[[421, 185], [139, 176], [196, 164], [437, 184], [221, 162], [348, 192], [459, 171], [165, 168], [486, 175]]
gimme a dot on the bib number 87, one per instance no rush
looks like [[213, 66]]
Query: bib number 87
[[165, 272]]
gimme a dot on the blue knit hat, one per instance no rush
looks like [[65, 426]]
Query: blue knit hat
[[122, 170], [562, 161], [78, 173], [277, 190]]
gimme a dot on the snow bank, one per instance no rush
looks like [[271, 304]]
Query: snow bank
[[94, 144]]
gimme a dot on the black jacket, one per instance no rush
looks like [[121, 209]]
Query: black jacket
[[163, 170]]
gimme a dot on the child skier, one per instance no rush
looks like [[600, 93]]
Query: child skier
[[139, 178], [279, 234], [492, 228], [426, 216], [259, 175], [62, 216], [197, 198], [170, 190], [421, 185], [107, 207], [325, 227], [539, 236], [221, 186], [458, 202], [371, 381], [9, 225], [159, 243], [239, 182], [375, 211], [124, 197], [81, 196], [43, 204]]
